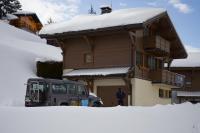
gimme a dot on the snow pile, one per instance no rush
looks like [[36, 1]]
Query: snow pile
[[115, 18], [182, 118], [18, 52], [191, 61]]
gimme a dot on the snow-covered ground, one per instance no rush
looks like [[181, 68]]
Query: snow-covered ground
[[183, 118], [18, 52]]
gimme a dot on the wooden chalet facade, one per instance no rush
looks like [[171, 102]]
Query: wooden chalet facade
[[27, 21], [130, 57], [189, 67]]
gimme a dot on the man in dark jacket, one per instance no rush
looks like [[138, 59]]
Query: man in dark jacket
[[120, 96]]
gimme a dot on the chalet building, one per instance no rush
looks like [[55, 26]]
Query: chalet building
[[124, 49], [189, 67], [27, 21]]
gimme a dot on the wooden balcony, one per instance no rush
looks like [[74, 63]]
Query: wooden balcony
[[167, 78], [157, 46], [142, 73]]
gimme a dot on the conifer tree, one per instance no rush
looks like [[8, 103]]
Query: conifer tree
[[9, 6], [92, 11]]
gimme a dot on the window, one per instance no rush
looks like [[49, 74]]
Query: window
[[88, 58], [164, 93], [81, 90], [71, 89], [139, 59], [37, 86], [161, 95], [59, 88], [152, 63]]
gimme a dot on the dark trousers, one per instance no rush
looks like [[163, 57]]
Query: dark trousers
[[121, 102]]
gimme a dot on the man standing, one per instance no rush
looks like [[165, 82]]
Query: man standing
[[120, 96]]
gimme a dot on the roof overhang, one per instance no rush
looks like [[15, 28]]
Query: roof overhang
[[97, 72], [33, 15], [188, 94], [92, 32]]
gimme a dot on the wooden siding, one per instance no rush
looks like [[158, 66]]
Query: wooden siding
[[108, 51]]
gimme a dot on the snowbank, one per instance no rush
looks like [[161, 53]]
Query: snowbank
[[18, 52], [182, 118]]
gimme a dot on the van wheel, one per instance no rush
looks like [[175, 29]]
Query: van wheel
[[64, 104]]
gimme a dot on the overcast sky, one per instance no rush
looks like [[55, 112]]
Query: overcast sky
[[185, 14]]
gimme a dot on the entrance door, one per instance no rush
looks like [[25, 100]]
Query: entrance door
[[108, 95]]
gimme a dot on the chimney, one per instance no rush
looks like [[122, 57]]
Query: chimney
[[105, 9]]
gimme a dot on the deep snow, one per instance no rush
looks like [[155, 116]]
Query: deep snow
[[19, 51], [158, 119]]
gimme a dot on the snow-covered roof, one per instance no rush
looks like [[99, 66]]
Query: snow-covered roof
[[27, 13], [188, 94], [191, 61], [97, 71], [10, 17], [116, 18], [103, 6], [23, 12]]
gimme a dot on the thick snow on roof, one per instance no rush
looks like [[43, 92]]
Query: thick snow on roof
[[97, 71], [18, 52], [191, 61], [10, 17], [115, 18], [182, 118], [20, 12]]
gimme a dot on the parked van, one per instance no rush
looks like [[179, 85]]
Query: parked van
[[52, 92]]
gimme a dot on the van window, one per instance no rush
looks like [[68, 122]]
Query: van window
[[71, 89], [59, 88], [37, 86], [81, 90]]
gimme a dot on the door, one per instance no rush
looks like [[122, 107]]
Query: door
[[108, 95]]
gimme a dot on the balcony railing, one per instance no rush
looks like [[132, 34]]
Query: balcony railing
[[157, 46], [142, 73], [167, 77]]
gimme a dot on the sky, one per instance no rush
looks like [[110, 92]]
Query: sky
[[185, 14]]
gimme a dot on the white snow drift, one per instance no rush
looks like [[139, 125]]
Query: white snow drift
[[158, 119], [18, 53]]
